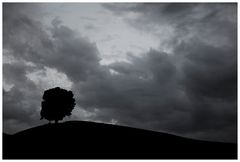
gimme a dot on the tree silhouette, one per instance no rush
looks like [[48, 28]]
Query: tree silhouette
[[57, 103]]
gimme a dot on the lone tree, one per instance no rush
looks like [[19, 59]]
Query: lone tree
[[57, 103]]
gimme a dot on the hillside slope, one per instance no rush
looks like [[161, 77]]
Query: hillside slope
[[88, 140]]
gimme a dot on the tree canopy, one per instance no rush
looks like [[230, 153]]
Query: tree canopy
[[57, 103]]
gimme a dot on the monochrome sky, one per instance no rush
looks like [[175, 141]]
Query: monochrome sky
[[169, 67]]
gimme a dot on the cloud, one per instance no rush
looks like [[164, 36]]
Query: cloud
[[87, 18], [189, 89], [21, 102], [61, 49], [90, 27], [180, 22], [210, 71]]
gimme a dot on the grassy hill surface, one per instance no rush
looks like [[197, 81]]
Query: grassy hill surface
[[89, 140]]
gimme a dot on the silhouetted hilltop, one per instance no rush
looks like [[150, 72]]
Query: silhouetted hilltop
[[89, 140]]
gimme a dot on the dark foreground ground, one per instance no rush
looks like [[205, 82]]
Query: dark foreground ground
[[88, 140]]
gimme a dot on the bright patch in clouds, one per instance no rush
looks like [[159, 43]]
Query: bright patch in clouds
[[49, 78], [113, 36]]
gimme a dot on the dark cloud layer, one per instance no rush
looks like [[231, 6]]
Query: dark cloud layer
[[191, 91]]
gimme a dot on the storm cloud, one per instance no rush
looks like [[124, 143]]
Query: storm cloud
[[185, 86]]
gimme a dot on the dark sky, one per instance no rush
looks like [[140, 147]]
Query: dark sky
[[169, 67]]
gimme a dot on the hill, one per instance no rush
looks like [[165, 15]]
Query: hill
[[89, 140]]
